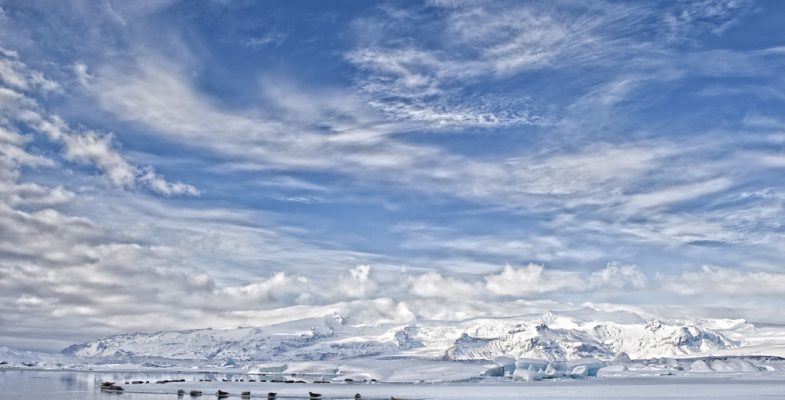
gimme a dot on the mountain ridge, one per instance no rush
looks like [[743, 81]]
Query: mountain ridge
[[552, 337]]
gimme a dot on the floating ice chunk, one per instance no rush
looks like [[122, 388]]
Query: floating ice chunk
[[700, 366], [621, 358], [526, 375], [551, 372], [269, 368], [579, 372], [733, 365], [503, 360], [494, 371], [591, 365], [530, 363], [508, 363], [230, 362], [615, 368]]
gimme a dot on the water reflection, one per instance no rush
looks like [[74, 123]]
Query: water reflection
[[66, 385], [69, 385]]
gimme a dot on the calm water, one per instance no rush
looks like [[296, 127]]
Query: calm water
[[85, 385], [66, 385], [63, 385]]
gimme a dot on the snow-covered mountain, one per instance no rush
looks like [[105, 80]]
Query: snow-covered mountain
[[549, 337], [11, 356]]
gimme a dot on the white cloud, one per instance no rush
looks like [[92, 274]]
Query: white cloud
[[29, 194], [536, 279], [15, 74], [435, 285], [160, 185], [357, 284], [706, 15], [677, 194], [532, 279], [509, 245], [159, 96], [714, 280], [594, 169], [209, 266], [280, 289], [84, 147], [617, 276], [156, 93]]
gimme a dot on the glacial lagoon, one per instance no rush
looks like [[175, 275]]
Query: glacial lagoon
[[84, 385]]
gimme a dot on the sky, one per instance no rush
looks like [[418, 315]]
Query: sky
[[177, 164]]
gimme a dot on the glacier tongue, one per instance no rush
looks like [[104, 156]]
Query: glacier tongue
[[551, 337]]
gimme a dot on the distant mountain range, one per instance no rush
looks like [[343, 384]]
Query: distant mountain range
[[551, 337]]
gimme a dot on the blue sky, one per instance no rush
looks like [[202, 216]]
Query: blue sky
[[168, 165]]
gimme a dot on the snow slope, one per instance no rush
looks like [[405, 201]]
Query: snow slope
[[551, 337]]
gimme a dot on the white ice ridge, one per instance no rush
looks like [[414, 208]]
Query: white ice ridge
[[550, 337]]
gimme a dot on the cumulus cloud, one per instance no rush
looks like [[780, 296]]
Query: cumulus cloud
[[618, 276], [280, 289], [532, 279], [536, 279], [105, 261], [435, 285], [358, 283]]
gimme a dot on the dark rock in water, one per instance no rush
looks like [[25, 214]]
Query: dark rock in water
[[180, 392], [111, 387], [3, 362], [195, 393], [271, 395], [315, 396], [357, 396], [170, 380], [246, 394], [348, 380], [221, 394]]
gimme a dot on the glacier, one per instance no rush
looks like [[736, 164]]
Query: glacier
[[526, 347]]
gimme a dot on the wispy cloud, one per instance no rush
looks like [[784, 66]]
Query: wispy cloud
[[252, 173], [85, 147], [713, 280]]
